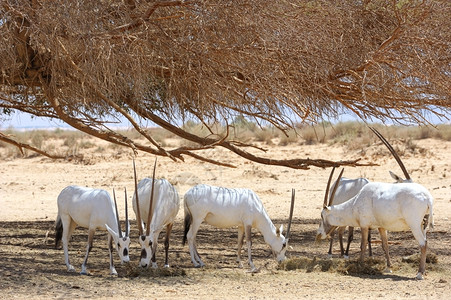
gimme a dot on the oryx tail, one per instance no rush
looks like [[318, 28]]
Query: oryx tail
[[58, 231], [187, 223]]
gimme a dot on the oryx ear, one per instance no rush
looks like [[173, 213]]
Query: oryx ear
[[279, 230], [112, 232], [396, 177]]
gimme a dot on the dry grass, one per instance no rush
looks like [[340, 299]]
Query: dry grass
[[371, 266]]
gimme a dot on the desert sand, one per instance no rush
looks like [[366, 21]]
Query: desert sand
[[30, 266]]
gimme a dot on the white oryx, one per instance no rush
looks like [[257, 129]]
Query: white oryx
[[92, 209], [224, 208], [159, 202], [347, 188], [386, 206]]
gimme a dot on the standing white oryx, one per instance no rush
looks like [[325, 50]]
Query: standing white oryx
[[223, 208], [386, 206], [347, 188], [159, 202], [92, 209]]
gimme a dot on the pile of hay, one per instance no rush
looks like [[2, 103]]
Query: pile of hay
[[135, 271], [370, 266]]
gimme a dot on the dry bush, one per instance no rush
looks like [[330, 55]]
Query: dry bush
[[289, 137], [164, 61]]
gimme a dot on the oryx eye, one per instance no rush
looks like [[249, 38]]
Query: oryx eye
[[143, 237], [119, 245]]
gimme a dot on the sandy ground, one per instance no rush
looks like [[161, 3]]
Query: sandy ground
[[30, 267]]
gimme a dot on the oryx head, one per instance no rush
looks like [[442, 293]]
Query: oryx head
[[148, 247], [279, 247], [121, 239], [325, 229]]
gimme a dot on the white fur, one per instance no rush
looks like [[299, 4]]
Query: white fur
[[223, 208], [92, 209], [165, 207], [347, 188], [386, 206]]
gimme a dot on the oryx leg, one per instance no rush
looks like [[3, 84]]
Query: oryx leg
[[110, 250], [240, 245], [166, 245], [248, 233], [88, 249], [350, 239], [370, 251], [341, 231], [384, 240], [363, 244], [191, 237], [153, 249], [68, 229], [332, 234], [420, 236]]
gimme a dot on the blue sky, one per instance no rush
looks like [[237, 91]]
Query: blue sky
[[23, 121]]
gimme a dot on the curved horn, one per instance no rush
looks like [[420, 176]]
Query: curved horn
[[332, 196], [328, 187], [290, 218], [149, 217], [126, 214], [119, 232], [393, 152], [138, 212]]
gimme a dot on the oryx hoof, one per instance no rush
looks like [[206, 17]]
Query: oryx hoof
[[70, 268], [419, 276], [166, 266], [388, 271], [254, 270], [83, 273], [346, 256]]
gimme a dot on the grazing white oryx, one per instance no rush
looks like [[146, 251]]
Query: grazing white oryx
[[159, 202], [386, 206], [347, 188], [92, 209], [223, 208]]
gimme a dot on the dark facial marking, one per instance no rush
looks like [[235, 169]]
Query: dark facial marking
[[143, 254], [125, 252]]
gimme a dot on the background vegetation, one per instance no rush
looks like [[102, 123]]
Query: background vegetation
[[353, 135]]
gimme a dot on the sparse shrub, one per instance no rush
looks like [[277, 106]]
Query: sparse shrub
[[37, 138], [290, 137], [264, 135]]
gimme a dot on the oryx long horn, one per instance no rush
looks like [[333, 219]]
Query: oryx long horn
[[332, 196], [149, 217], [393, 152], [138, 212], [290, 218], [328, 187], [119, 232], [126, 214]]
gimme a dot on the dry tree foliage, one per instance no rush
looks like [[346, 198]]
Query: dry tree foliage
[[273, 61]]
